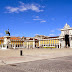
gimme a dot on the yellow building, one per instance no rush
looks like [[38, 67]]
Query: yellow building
[[16, 42], [52, 42], [38, 41]]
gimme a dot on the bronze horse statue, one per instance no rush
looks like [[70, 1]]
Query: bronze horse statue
[[7, 32]]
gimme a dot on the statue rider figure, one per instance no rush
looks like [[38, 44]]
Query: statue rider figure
[[7, 32]]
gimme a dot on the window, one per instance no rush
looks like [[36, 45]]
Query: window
[[16, 45]]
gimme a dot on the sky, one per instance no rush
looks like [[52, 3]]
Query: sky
[[34, 17]]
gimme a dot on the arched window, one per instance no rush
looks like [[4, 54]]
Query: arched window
[[16, 45]]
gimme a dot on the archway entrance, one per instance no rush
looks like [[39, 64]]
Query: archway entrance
[[7, 46], [67, 40]]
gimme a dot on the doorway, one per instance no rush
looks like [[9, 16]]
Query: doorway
[[7, 47], [67, 40]]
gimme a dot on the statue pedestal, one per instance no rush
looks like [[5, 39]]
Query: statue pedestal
[[7, 42]]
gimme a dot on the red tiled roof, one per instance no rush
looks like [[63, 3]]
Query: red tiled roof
[[15, 38], [1, 37], [18, 37], [12, 38]]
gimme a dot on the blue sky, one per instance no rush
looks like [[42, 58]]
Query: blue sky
[[31, 17]]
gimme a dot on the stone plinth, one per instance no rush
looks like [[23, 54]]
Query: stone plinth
[[7, 42]]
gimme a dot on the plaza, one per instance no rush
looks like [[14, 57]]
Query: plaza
[[62, 64], [36, 60], [35, 36], [12, 56]]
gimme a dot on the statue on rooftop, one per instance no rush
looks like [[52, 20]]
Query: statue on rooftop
[[7, 32]]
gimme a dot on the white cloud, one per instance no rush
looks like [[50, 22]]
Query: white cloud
[[58, 29], [43, 21], [12, 9], [24, 7], [36, 34], [21, 3], [37, 19], [51, 34]]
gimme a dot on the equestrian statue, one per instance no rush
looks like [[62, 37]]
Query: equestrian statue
[[7, 32]]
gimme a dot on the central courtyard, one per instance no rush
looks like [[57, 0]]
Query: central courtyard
[[36, 60], [12, 56]]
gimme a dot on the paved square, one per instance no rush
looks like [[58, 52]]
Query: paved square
[[36, 60], [62, 64]]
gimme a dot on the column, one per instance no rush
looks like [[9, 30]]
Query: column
[[27, 44], [59, 43], [33, 43], [14, 46], [2, 46], [39, 43], [42, 43], [23, 45], [50, 42], [70, 40]]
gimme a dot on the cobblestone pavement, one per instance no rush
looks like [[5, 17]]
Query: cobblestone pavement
[[12, 56], [61, 64]]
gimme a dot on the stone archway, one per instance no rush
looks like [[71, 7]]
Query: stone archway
[[7, 47], [67, 42]]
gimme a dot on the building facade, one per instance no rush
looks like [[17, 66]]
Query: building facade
[[39, 41], [66, 36]]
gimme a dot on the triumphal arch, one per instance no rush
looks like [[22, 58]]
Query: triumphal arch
[[66, 36]]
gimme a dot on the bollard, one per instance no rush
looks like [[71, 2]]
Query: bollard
[[20, 52]]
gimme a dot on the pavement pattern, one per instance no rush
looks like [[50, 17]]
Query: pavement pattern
[[59, 64], [12, 56]]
